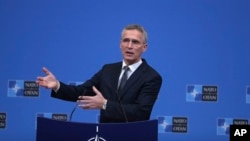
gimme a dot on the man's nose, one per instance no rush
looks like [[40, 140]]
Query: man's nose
[[130, 44]]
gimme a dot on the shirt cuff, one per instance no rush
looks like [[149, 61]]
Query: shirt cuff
[[58, 86], [104, 106]]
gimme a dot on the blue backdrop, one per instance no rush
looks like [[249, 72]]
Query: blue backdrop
[[200, 47]]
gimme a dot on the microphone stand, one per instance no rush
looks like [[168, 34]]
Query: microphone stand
[[122, 108]]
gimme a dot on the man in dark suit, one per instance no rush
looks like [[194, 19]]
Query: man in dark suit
[[134, 101]]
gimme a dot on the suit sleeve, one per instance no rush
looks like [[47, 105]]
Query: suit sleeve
[[71, 93]]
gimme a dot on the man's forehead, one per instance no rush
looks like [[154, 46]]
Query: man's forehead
[[132, 34], [132, 30]]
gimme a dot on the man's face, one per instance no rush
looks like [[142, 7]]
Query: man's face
[[132, 46]]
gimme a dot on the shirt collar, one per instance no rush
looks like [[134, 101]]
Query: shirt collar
[[134, 66]]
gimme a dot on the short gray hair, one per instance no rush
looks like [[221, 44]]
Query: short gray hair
[[138, 28]]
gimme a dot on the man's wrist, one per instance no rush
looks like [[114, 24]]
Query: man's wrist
[[58, 86]]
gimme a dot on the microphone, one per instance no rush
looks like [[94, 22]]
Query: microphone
[[123, 111], [73, 110]]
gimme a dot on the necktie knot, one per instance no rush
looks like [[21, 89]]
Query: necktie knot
[[125, 68]]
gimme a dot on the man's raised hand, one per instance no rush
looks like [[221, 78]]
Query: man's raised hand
[[49, 81]]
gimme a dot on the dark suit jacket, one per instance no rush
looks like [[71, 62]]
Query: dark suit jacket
[[136, 99]]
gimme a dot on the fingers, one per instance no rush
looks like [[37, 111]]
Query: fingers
[[91, 102], [39, 78], [96, 90], [40, 81], [85, 104], [46, 71], [85, 97]]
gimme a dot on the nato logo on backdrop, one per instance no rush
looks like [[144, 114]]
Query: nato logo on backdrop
[[2, 120], [248, 95], [223, 124], [22, 88], [201, 93], [172, 124]]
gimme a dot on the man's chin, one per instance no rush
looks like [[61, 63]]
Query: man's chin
[[130, 60]]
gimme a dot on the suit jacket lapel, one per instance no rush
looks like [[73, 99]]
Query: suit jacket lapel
[[134, 77], [116, 70]]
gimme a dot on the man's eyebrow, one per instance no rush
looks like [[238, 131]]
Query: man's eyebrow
[[133, 40]]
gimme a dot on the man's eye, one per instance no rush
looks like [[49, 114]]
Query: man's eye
[[135, 42], [126, 40]]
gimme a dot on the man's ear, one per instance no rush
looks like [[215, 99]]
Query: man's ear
[[120, 43], [145, 47]]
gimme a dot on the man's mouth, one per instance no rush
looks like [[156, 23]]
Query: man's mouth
[[129, 53]]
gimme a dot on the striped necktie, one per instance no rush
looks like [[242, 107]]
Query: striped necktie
[[124, 78]]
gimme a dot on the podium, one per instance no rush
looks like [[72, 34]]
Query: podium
[[55, 130]]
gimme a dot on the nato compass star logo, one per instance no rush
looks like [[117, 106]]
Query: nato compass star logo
[[96, 138], [172, 124], [223, 125], [15, 88], [194, 93], [164, 124], [21, 88]]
